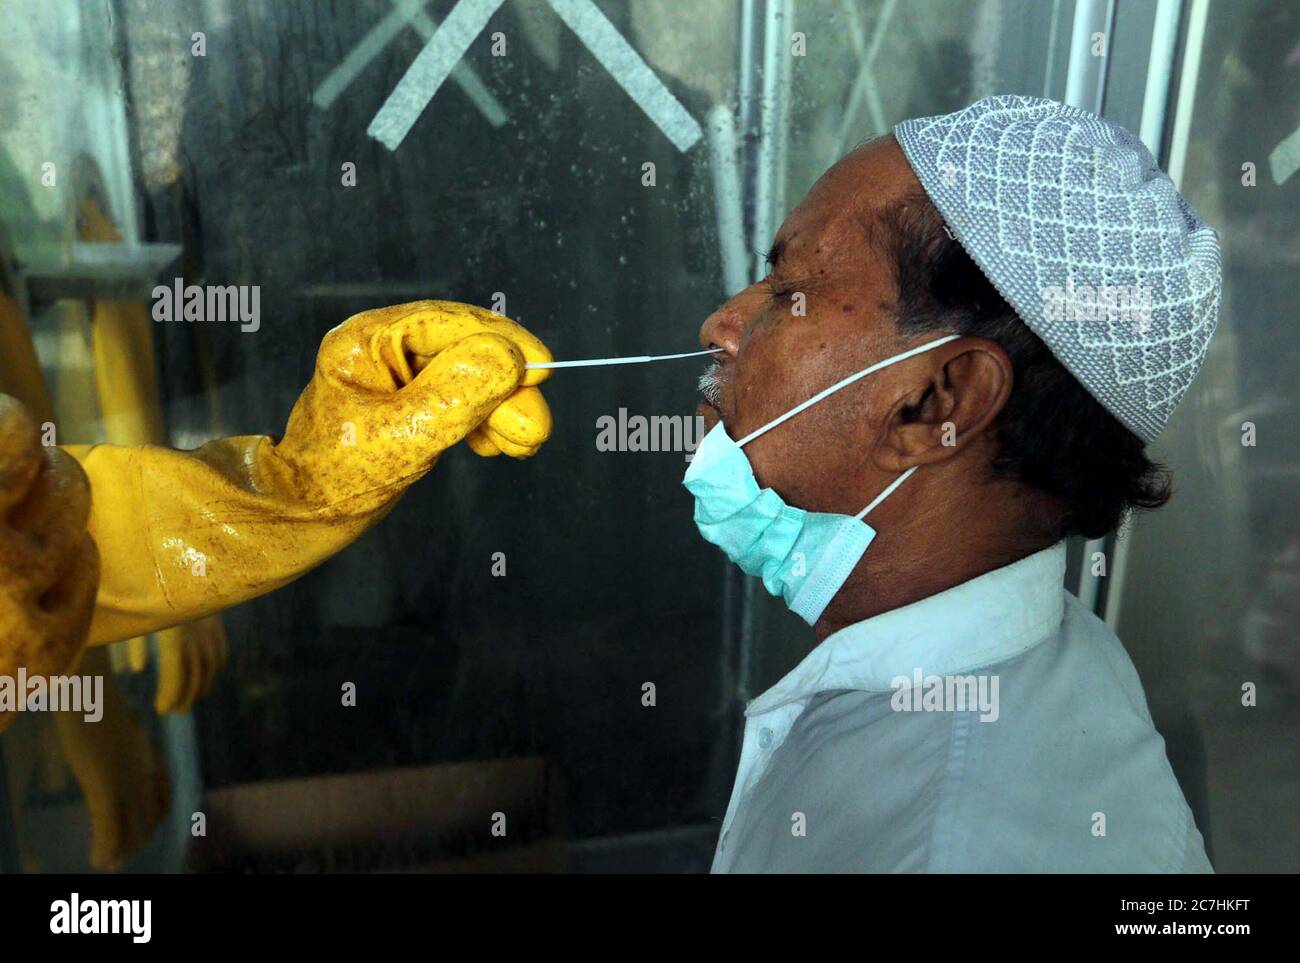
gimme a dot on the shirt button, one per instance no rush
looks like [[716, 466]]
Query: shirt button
[[765, 738]]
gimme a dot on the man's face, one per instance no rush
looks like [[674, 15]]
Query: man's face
[[773, 358]]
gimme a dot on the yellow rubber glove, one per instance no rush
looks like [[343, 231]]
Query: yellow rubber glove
[[189, 658], [122, 774], [20, 369], [185, 534], [129, 406], [120, 771], [48, 565]]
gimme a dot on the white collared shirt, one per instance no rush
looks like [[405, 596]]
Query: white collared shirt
[[1051, 764]]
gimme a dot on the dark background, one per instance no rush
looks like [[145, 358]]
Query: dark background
[[608, 584]]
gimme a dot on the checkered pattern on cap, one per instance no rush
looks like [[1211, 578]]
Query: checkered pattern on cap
[[1073, 223]]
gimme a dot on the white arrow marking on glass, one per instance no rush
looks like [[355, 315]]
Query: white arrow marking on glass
[[405, 13], [466, 21], [1285, 158], [367, 49], [463, 74], [429, 69], [865, 85], [633, 74]]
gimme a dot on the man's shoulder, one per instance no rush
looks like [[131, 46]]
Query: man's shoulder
[[1073, 777]]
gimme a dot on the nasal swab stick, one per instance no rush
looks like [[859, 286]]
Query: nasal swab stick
[[636, 359]]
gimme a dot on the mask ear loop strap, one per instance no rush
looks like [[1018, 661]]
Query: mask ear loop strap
[[889, 490], [781, 419]]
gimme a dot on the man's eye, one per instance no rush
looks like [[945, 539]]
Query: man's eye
[[777, 291]]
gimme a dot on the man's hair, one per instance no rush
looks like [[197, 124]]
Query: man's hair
[[1052, 435]]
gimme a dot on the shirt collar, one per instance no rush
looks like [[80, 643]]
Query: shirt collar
[[989, 619]]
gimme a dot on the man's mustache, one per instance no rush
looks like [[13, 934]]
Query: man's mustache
[[710, 384]]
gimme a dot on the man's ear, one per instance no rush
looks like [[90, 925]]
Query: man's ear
[[948, 401]]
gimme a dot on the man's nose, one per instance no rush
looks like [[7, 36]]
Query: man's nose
[[725, 327]]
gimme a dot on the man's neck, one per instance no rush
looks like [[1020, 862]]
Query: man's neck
[[929, 553]]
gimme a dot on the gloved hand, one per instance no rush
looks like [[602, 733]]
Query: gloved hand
[[185, 534], [189, 658], [122, 774], [49, 568], [395, 387]]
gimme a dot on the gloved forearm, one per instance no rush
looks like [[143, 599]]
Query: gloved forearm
[[185, 534]]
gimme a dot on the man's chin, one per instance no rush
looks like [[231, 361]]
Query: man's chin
[[709, 414]]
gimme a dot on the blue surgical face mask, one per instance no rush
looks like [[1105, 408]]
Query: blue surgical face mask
[[805, 557]]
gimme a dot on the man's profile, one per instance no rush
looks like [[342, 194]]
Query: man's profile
[[1003, 306]]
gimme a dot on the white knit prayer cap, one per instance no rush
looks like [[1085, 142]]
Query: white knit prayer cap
[[1073, 223]]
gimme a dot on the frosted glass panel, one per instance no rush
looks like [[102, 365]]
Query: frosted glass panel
[[606, 180], [1208, 607]]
